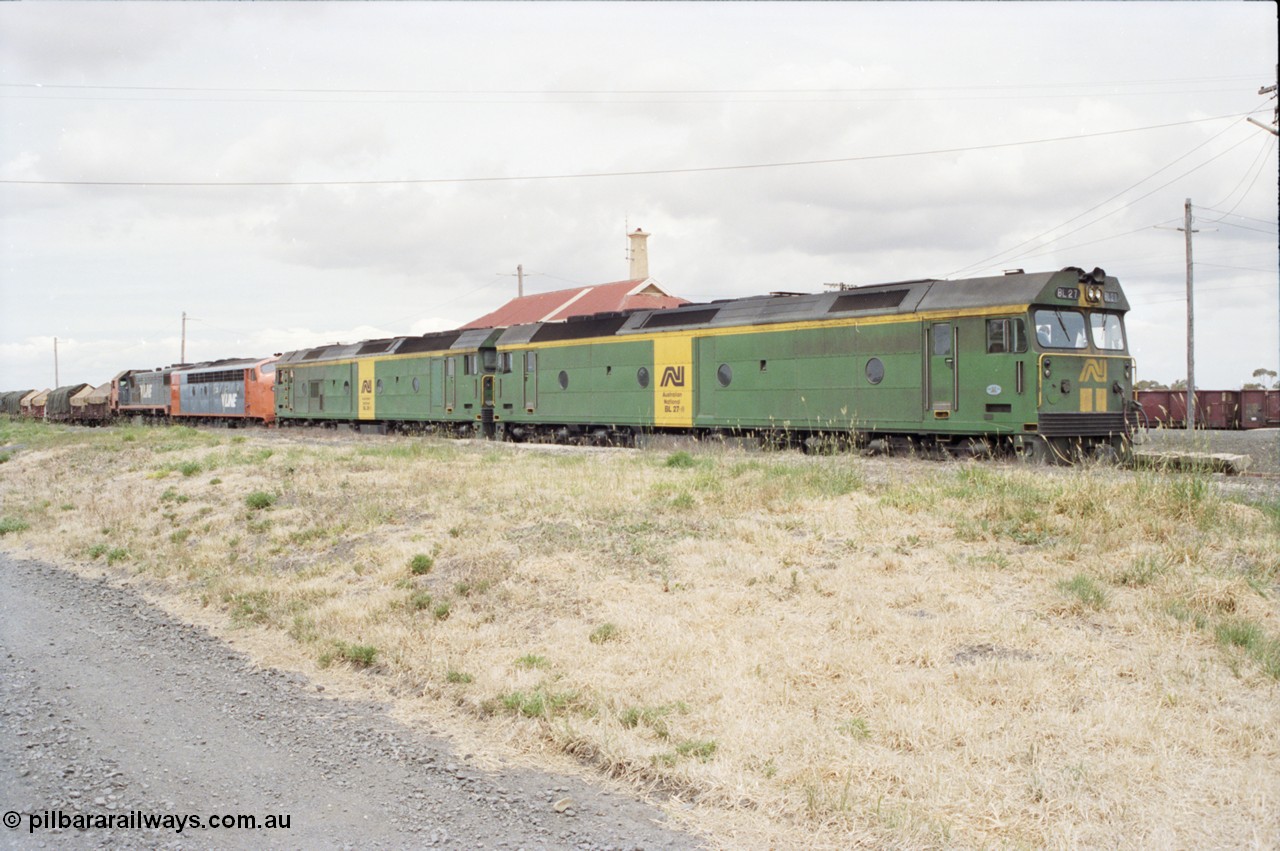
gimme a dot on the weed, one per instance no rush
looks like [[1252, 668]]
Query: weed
[[12, 524], [680, 460], [66, 506], [539, 703], [1084, 589], [441, 611], [421, 564], [97, 550], [1249, 636], [179, 536], [457, 677], [653, 717], [1143, 572], [604, 632], [215, 481], [250, 607], [360, 655], [303, 630], [189, 468], [419, 600], [258, 500], [172, 495], [701, 749], [5, 456], [531, 661], [856, 728], [116, 554]]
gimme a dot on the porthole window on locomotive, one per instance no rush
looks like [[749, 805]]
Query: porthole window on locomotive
[[416, 385], [875, 371], [724, 375], [564, 380], [642, 377]]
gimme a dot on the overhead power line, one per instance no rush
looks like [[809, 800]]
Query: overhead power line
[[1106, 84], [1031, 252], [600, 174]]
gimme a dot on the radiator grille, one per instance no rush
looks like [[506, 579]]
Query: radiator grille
[[1083, 425]]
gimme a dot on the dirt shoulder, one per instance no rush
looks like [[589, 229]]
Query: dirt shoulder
[[110, 706]]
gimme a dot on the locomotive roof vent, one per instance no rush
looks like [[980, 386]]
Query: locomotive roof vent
[[1014, 272]]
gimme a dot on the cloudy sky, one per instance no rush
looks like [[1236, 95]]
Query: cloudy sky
[[293, 174]]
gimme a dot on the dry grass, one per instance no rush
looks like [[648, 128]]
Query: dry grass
[[799, 652]]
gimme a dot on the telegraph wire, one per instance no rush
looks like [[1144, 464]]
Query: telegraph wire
[[999, 254], [1259, 162], [1026, 254], [636, 173], [1240, 216], [473, 91]]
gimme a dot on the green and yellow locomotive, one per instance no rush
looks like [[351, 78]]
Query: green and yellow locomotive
[[1031, 363]]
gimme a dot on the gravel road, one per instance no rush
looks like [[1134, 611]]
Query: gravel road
[[110, 707]]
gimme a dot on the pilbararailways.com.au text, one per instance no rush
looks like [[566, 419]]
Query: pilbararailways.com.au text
[[139, 820]]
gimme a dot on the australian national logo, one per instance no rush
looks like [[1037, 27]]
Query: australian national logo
[[673, 376], [1094, 369]]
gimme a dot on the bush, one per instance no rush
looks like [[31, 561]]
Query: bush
[[680, 459], [258, 500], [604, 632], [421, 564], [12, 524]]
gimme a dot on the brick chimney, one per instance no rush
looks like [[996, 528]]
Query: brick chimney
[[639, 253]]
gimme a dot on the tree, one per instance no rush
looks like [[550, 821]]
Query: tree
[[1180, 384], [1265, 375], [1149, 384]]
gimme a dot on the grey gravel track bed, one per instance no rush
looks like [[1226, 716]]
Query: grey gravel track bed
[[107, 705]]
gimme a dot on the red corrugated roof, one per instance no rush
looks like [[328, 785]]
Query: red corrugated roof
[[578, 301]]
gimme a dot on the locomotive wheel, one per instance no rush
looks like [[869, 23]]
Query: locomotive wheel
[[1037, 451]]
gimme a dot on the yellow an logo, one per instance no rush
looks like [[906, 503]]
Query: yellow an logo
[[1094, 369]]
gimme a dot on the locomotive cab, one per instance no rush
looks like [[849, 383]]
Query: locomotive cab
[[1084, 374]]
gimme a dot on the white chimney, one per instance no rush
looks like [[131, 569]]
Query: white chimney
[[639, 255]]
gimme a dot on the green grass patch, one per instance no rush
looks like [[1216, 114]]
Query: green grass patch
[[652, 717], [419, 601], [457, 677], [117, 554], [531, 661], [539, 703], [359, 655], [700, 749], [260, 500], [1082, 588], [421, 564], [604, 633], [855, 728], [9, 525], [250, 607], [680, 460]]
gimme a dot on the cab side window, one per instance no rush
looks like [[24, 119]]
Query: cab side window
[[1006, 336]]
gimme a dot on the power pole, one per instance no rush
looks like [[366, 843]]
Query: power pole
[[1191, 327], [182, 358], [520, 280], [55, 363]]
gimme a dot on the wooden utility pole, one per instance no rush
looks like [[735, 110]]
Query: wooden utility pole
[[1191, 327], [55, 362], [182, 357], [520, 280]]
